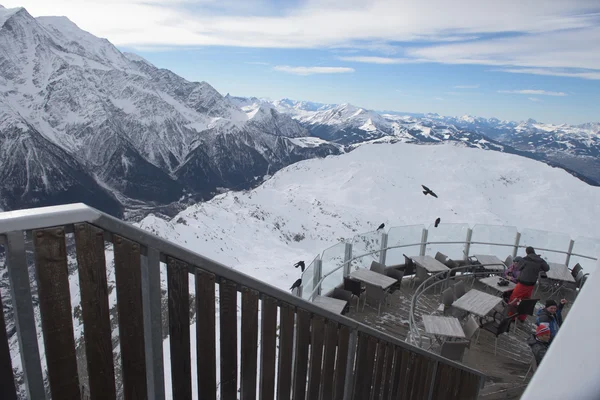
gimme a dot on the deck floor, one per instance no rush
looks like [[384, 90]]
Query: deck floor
[[505, 372]]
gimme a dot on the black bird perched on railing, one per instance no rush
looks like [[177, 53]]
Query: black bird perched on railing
[[296, 284], [381, 227], [427, 191], [437, 221], [300, 264]]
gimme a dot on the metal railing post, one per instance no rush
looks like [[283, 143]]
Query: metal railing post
[[517, 240], [382, 254], [317, 273], [18, 275], [569, 252], [468, 243], [347, 258], [349, 379], [423, 242]]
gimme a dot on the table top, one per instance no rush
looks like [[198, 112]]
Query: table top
[[373, 278], [559, 272], [492, 281], [330, 304], [429, 263], [443, 326], [477, 302], [491, 262]]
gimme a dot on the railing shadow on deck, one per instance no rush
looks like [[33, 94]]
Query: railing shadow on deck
[[297, 351]]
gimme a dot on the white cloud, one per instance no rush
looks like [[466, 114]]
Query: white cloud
[[439, 98], [381, 60], [466, 86], [256, 63], [586, 74], [534, 99], [534, 91], [312, 70]]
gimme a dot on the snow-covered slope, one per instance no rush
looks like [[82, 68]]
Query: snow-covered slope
[[308, 206], [138, 131]]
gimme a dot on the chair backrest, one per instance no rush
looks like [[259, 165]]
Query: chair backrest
[[377, 267], [448, 297], [375, 292], [453, 350], [459, 289], [576, 269], [396, 274], [352, 286], [342, 294], [470, 327], [409, 266], [527, 306], [441, 257], [508, 261], [504, 326]]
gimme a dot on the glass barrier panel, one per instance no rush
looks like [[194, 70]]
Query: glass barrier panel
[[308, 280], [361, 245], [586, 247], [499, 234], [332, 260], [447, 233], [540, 240], [400, 236]]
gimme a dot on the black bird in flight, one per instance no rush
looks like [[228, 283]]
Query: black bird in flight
[[381, 227], [296, 284], [427, 191], [300, 264], [437, 221]]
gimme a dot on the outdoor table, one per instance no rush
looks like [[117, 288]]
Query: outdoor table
[[443, 326], [373, 278], [492, 282], [477, 302], [561, 274], [492, 263], [329, 303], [429, 264]]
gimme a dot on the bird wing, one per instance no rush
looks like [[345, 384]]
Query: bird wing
[[433, 194], [425, 187]]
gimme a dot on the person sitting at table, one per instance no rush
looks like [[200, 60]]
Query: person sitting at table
[[551, 315], [529, 269], [539, 342], [512, 272]]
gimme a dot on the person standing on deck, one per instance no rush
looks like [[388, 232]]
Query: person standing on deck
[[529, 268]]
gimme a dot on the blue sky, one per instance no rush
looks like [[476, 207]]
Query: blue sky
[[512, 59]]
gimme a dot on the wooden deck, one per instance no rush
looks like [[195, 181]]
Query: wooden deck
[[505, 371]]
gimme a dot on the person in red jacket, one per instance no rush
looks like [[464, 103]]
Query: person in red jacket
[[529, 268]]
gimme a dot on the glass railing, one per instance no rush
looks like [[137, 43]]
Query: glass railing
[[457, 241]]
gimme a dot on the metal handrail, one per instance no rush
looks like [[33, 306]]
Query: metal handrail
[[67, 215]]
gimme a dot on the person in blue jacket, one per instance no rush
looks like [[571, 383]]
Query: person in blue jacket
[[551, 315]]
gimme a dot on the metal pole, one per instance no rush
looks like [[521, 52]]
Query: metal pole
[[468, 243], [347, 258], [382, 254], [317, 276], [569, 252], [517, 240], [423, 242]]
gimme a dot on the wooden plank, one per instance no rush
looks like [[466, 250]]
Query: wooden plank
[[443, 326], [369, 369], [373, 278], [249, 343], [378, 373], [331, 331], [206, 357], [286, 342], [268, 344], [228, 331], [387, 371], [128, 276], [179, 328], [8, 390], [95, 310], [340, 363], [301, 354], [316, 356], [410, 365], [55, 309], [360, 366], [400, 362], [469, 386]]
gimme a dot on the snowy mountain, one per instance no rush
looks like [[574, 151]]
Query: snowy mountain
[[113, 130]]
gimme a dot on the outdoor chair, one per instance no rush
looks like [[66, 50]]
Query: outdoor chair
[[342, 294], [441, 257], [354, 287], [377, 267], [470, 327], [398, 275], [459, 289], [454, 350], [409, 266], [497, 327], [375, 293], [525, 307], [508, 261], [576, 269]]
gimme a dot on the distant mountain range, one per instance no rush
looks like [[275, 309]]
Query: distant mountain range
[[81, 121]]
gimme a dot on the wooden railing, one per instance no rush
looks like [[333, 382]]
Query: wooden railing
[[305, 352]]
